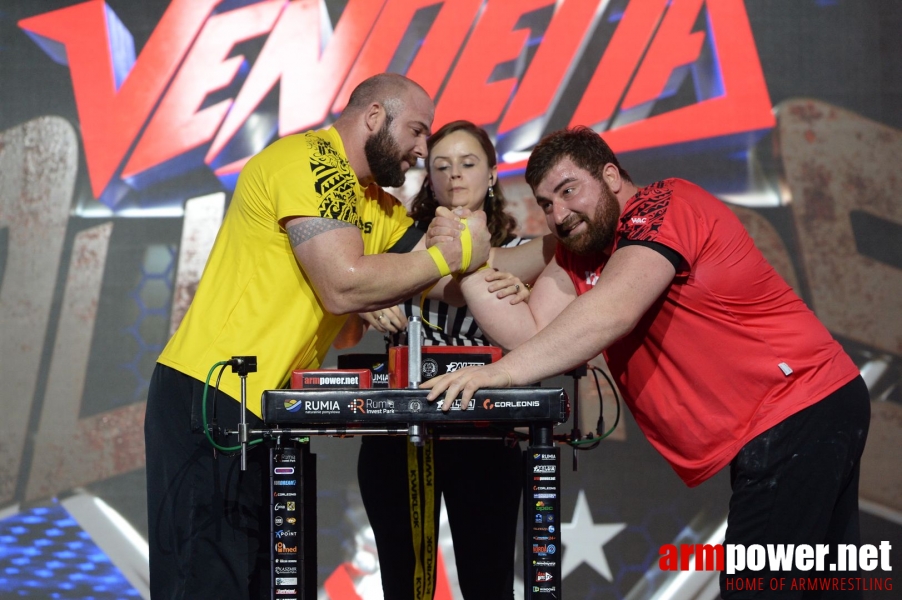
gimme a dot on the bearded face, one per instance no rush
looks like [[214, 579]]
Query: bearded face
[[384, 156], [598, 234]]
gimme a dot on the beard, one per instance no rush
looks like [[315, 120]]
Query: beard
[[600, 229], [384, 156]]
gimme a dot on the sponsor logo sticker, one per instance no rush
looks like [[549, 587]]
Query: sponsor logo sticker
[[544, 562], [517, 404], [430, 368], [321, 407], [543, 549]]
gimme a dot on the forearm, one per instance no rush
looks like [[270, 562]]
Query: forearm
[[571, 339], [525, 261], [634, 278], [379, 280], [346, 280], [505, 324], [582, 331]]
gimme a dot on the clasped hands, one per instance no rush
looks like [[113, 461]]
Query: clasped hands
[[464, 251], [446, 229]]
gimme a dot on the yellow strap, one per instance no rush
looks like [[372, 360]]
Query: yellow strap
[[422, 305], [429, 541], [416, 515], [466, 250], [422, 518], [439, 260], [466, 247]]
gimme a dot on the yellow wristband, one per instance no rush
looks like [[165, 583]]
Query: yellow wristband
[[466, 250], [439, 260]]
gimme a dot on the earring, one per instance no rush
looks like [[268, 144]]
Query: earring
[[491, 191]]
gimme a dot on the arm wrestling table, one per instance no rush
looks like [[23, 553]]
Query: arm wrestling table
[[290, 414]]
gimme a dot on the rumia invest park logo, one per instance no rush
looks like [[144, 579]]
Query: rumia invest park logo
[[191, 98]]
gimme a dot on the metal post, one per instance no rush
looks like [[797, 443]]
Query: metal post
[[416, 431], [242, 424], [414, 352]]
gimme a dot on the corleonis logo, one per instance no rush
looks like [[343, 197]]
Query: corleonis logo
[[190, 97]]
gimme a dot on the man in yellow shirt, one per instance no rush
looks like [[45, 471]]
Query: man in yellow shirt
[[304, 242]]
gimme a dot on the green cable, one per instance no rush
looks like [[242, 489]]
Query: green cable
[[207, 433]]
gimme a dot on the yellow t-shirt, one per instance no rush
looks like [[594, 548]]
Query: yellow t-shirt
[[253, 298]]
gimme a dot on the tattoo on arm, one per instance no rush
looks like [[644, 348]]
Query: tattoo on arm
[[309, 228]]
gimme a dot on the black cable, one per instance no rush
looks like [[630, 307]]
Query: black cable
[[616, 400], [591, 442]]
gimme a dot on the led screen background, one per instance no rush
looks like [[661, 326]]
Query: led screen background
[[789, 112]]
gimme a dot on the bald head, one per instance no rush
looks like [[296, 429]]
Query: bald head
[[384, 127], [388, 89]]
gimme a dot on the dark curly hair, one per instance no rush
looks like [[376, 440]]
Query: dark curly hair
[[583, 146], [500, 224]]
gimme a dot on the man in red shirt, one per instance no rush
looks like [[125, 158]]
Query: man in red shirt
[[719, 361]]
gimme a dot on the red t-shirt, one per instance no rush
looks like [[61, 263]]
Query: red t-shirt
[[728, 351]]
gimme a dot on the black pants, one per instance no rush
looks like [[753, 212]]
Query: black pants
[[482, 484], [208, 525], [797, 483]]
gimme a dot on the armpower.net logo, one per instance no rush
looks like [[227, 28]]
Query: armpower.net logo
[[782, 567]]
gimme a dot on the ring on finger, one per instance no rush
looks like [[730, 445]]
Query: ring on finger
[[517, 287], [379, 317]]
